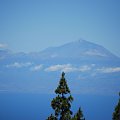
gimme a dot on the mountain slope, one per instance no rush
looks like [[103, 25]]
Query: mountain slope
[[81, 48], [90, 69]]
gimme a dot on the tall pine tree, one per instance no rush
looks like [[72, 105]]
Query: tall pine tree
[[62, 103], [116, 113]]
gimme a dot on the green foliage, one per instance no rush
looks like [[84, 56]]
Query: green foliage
[[51, 117], [62, 103], [116, 113], [62, 87], [78, 115]]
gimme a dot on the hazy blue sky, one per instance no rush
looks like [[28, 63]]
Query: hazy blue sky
[[32, 25]]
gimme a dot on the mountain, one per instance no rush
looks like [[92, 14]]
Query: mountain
[[89, 68], [77, 49]]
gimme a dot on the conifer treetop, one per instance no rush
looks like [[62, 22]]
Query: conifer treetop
[[62, 87], [63, 74], [61, 104]]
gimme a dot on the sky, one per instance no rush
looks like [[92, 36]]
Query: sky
[[33, 25]]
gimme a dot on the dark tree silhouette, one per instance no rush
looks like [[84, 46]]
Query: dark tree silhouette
[[52, 117], [78, 115], [62, 103], [116, 113]]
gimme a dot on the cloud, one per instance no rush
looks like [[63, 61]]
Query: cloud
[[109, 69], [3, 45], [59, 67], [19, 65], [67, 68], [37, 67], [84, 68]]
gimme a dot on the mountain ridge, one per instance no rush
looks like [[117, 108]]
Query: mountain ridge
[[91, 67], [80, 46]]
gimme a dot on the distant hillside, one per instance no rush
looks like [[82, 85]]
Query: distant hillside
[[90, 68]]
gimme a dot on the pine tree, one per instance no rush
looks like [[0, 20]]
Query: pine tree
[[116, 113], [52, 117], [78, 115], [62, 103]]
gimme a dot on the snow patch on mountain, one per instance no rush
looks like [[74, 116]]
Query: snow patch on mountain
[[95, 52]]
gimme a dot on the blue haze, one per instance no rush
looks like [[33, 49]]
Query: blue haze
[[28, 25], [37, 106]]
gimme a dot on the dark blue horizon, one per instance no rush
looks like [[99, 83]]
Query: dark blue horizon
[[21, 106]]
